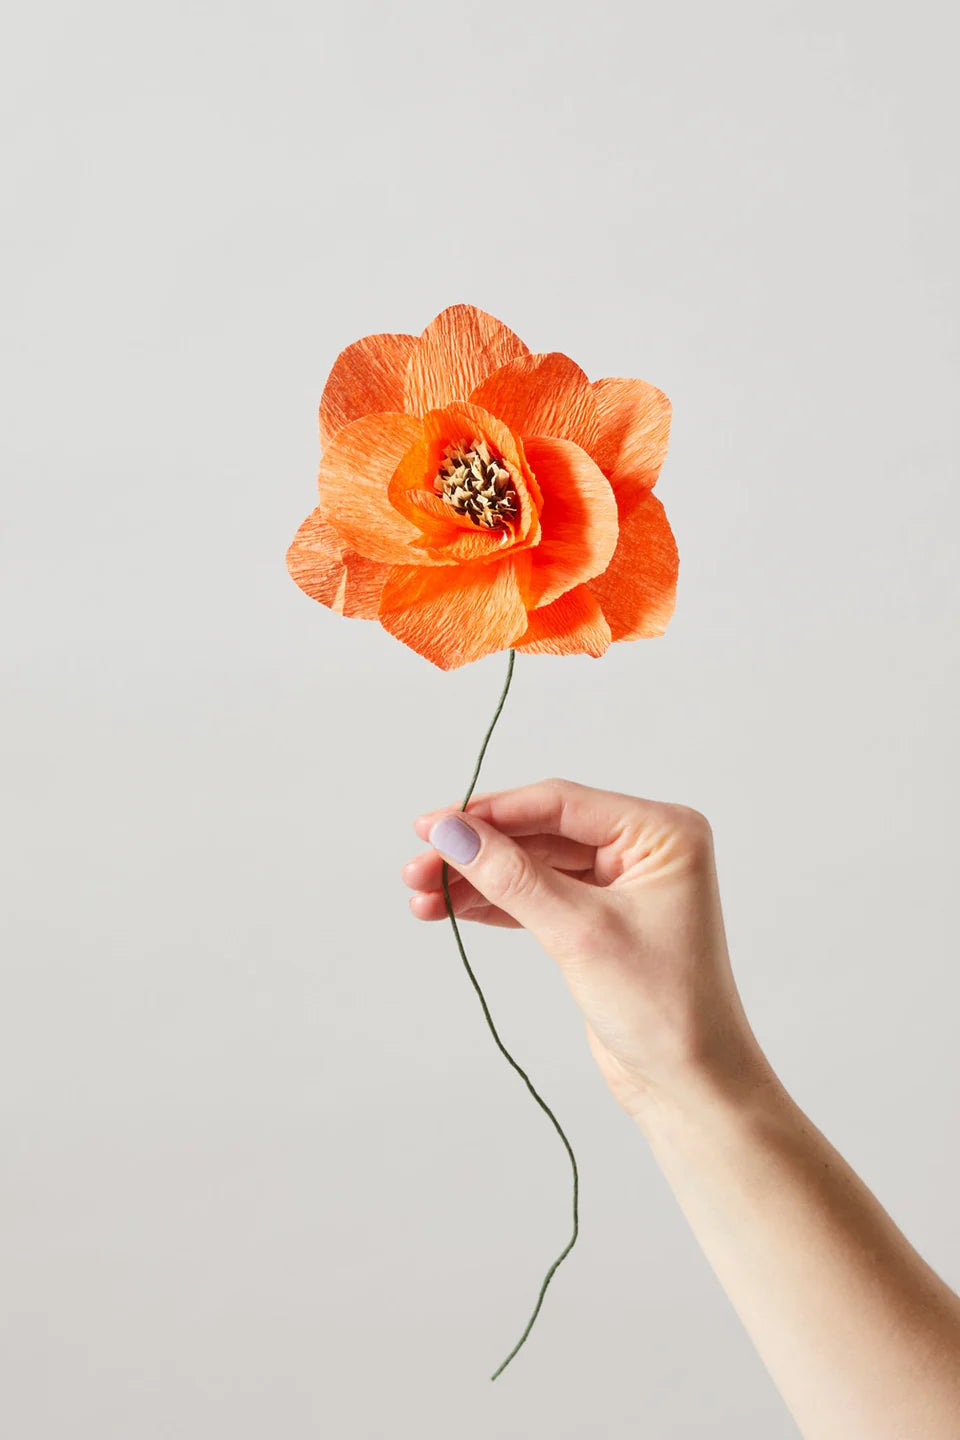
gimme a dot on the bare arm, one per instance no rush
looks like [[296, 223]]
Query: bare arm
[[861, 1337]]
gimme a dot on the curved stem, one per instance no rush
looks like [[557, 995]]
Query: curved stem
[[503, 1049]]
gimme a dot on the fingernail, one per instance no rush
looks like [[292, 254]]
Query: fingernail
[[454, 837]]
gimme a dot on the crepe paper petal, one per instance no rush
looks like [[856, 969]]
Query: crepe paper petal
[[354, 476], [442, 532], [467, 543], [637, 591], [457, 351], [543, 395], [574, 624], [367, 378], [578, 522], [325, 571], [634, 431], [453, 614]]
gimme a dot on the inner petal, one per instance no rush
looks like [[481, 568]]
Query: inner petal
[[467, 486]]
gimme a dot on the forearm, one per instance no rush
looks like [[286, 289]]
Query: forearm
[[859, 1334]]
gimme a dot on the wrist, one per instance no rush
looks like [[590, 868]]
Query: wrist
[[705, 1090]]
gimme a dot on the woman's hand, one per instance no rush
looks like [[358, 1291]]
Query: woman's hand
[[622, 892], [860, 1335]]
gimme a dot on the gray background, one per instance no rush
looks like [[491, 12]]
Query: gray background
[[263, 1173]]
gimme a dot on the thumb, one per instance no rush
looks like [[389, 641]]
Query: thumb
[[541, 899]]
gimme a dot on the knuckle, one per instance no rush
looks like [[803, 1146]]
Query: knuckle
[[694, 830], [516, 878], [563, 786], [560, 793]]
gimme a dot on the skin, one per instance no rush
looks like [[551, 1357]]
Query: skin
[[860, 1336]]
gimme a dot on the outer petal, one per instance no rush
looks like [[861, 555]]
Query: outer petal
[[458, 350], [354, 478], [367, 378], [572, 625], [336, 577], [453, 614], [637, 590], [543, 395], [578, 522], [634, 431]]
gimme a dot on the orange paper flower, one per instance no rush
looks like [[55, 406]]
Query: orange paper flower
[[475, 497]]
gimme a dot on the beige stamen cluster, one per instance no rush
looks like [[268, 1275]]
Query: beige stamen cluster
[[475, 483]]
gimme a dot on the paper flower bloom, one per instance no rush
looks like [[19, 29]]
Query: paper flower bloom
[[475, 497]]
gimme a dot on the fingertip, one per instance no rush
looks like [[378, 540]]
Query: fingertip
[[422, 905], [423, 823]]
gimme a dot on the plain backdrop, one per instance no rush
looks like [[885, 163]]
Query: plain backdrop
[[263, 1172]]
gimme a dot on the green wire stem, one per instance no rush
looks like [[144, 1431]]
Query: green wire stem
[[503, 1049]]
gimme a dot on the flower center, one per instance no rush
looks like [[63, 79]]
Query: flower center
[[476, 483]]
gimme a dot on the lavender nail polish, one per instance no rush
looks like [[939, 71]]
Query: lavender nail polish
[[454, 837]]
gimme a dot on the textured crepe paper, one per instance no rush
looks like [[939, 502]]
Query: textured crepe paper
[[583, 557]]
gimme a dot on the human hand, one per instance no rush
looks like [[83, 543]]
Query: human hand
[[622, 892], [859, 1334]]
